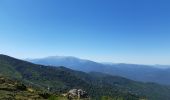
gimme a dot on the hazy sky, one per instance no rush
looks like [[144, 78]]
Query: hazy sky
[[127, 31]]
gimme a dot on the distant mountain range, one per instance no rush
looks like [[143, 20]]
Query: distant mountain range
[[70, 62], [61, 79], [145, 73]]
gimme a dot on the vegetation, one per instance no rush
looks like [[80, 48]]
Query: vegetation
[[15, 90], [99, 86]]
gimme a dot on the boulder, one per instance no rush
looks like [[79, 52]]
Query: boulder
[[77, 93]]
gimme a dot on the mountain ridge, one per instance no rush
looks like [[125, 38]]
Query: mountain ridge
[[143, 73], [61, 79]]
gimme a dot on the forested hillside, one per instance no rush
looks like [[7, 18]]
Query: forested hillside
[[62, 79]]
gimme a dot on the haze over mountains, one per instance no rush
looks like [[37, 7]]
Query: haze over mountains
[[145, 73], [97, 84]]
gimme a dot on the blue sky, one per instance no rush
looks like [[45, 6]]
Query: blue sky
[[119, 31]]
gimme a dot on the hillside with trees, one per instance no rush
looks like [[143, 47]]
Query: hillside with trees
[[60, 80]]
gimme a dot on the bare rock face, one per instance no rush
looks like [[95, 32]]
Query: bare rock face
[[73, 92], [77, 93]]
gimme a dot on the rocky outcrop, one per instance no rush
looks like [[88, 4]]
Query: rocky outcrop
[[77, 93]]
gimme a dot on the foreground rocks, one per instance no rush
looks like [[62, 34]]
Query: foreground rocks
[[76, 94]]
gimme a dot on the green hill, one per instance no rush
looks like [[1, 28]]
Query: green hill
[[61, 79], [11, 89]]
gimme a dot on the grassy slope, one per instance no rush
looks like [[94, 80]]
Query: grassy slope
[[14, 90]]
